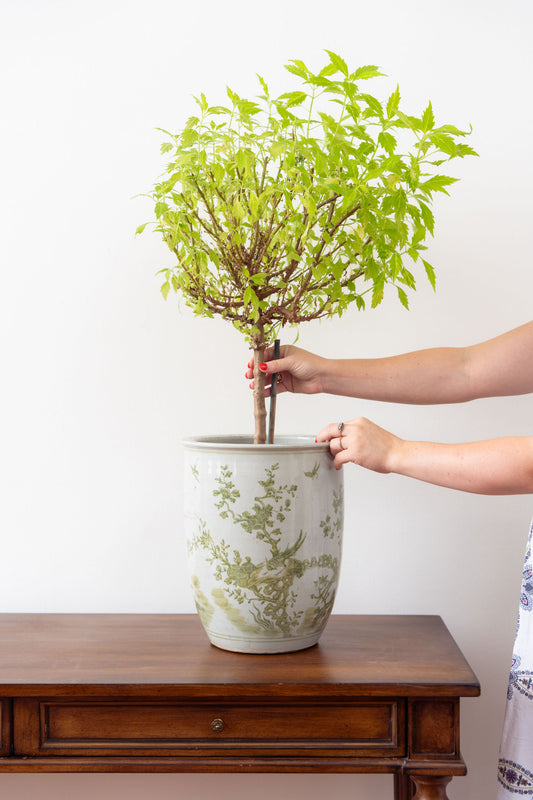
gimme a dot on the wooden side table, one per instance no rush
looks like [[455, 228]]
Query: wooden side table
[[148, 693]]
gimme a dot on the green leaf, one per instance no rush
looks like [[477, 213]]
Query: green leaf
[[233, 96], [428, 120], [400, 202], [327, 71], [338, 62], [393, 103], [160, 209], [376, 172], [254, 203], [437, 183], [444, 142], [427, 216], [404, 300], [297, 67], [277, 148], [395, 265], [373, 103], [451, 129], [334, 185], [218, 110], [165, 289], [378, 291], [241, 160], [463, 150], [408, 278], [319, 271], [167, 133], [292, 253], [325, 83], [247, 107], [309, 203], [293, 98], [430, 272], [141, 228], [263, 84], [218, 173], [192, 122], [409, 122], [202, 102], [238, 210], [363, 73], [387, 141]]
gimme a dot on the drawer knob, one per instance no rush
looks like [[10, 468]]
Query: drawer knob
[[217, 726]]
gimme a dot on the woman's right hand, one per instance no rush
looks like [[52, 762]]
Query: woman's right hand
[[300, 371]]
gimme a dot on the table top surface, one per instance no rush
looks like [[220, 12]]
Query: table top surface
[[126, 653]]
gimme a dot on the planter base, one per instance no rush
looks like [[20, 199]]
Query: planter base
[[262, 646]]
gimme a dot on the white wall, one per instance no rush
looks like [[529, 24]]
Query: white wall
[[101, 378]]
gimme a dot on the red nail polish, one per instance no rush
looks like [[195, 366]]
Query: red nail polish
[[263, 367], [316, 441]]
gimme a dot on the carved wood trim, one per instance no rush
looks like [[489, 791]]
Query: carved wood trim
[[434, 728]]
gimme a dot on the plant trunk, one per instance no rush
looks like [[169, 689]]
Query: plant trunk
[[259, 398]]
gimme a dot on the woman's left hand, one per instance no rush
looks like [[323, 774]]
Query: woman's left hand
[[361, 442]]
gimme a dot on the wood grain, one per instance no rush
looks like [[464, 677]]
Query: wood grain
[[148, 693], [122, 654]]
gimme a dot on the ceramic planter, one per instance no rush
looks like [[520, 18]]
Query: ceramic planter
[[264, 536]]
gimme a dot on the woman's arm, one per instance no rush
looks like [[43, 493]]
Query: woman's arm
[[494, 466], [500, 366]]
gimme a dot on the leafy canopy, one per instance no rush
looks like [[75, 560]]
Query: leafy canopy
[[288, 209]]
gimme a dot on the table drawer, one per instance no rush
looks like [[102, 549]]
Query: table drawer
[[109, 727], [5, 727]]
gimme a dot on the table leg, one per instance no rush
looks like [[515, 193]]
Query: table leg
[[403, 787], [430, 787]]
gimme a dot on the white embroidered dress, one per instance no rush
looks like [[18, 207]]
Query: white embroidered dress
[[515, 766]]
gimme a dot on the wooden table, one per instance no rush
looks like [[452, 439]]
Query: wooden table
[[148, 693]]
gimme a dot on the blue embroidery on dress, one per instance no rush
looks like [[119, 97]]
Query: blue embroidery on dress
[[521, 680], [513, 675], [518, 778], [515, 778], [526, 593], [526, 598], [524, 684]]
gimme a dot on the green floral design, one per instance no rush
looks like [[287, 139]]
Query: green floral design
[[269, 586], [332, 525]]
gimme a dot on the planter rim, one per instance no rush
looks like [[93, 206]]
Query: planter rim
[[245, 443]]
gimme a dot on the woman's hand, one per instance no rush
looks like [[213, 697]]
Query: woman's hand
[[492, 466], [361, 442], [299, 371]]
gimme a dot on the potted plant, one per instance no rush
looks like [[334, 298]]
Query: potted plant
[[279, 211]]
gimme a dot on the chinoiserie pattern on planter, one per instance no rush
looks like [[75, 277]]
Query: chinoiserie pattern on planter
[[515, 766], [268, 583], [264, 528]]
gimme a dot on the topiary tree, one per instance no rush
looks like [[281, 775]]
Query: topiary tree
[[289, 209]]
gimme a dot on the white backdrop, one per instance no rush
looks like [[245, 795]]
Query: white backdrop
[[101, 379]]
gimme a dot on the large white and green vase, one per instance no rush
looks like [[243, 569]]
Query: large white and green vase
[[264, 537]]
